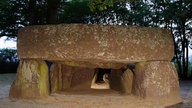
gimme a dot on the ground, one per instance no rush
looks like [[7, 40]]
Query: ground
[[84, 99]]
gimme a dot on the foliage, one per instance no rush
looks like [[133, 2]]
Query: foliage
[[112, 16], [103, 4], [73, 11], [8, 55], [11, 17], [8, 61]]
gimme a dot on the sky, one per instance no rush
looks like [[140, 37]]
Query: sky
[[12, 44], [7, 43]]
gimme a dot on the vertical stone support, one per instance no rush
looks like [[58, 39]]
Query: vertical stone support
[[157, 79], [32, 80], [55, 77], [60, 77], [67, 74], [121, 80], [82, 77], [115, 80], [127, 81]]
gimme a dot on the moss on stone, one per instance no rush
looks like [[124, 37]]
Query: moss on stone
[[44, 78], [140, 65], [32, 80]]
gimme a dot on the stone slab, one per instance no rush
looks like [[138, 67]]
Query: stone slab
[[32, 80], [82, 77], [95, 43], [157, 79]]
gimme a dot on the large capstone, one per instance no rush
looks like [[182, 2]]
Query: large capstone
[[95, 44]]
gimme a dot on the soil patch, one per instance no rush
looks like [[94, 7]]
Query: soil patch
[[85, 99]]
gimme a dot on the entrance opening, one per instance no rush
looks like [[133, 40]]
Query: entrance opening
[[95, 81], [101, 79]]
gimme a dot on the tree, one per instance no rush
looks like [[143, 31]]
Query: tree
[[116, 15], [103, 4], [8, 55], [175, 15], [180, 16], [15, 14], [11, 17], [74, 11]]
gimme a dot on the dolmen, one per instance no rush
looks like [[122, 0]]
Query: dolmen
[[129, 59]]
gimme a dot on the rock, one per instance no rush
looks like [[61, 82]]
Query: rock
[[95, 43], [55, 77], [64, 77], [78, 50], [127, 81], [67, 74], [32, 80], [115, 80], [92, 64], [60, 77], [82, 77], [121, 80], [157, 79]]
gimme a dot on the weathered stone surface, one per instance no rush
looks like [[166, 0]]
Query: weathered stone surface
[[67, 74], [95, 43], [55, 77], [82, 77], [60, 77], [157, 79], [121, 80], [127, 81], [32, 80], [87, 64], [115, 80], [64, 77]]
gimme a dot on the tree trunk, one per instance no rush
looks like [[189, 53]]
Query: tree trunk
[[185, 52], [176, 54], [187, 57], [183, 60], [52, 6], [32, 7]]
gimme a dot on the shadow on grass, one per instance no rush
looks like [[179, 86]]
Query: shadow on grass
[[8, 67]]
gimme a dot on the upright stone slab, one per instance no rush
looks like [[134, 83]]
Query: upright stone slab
[[127, 79], [60, 77], [115, 80], [121, 80], [63, 77], [32, 80], [82, 78], [55, 77], [67, 74], [157, 80]]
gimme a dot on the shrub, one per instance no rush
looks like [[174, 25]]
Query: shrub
[[8, 61]]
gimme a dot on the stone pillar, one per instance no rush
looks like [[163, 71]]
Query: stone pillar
[[32, 80], [115, 80], [121, 80], [55, 77], [60, 77], [67, 74], [157, 80], [82, 78], [127, 81]]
